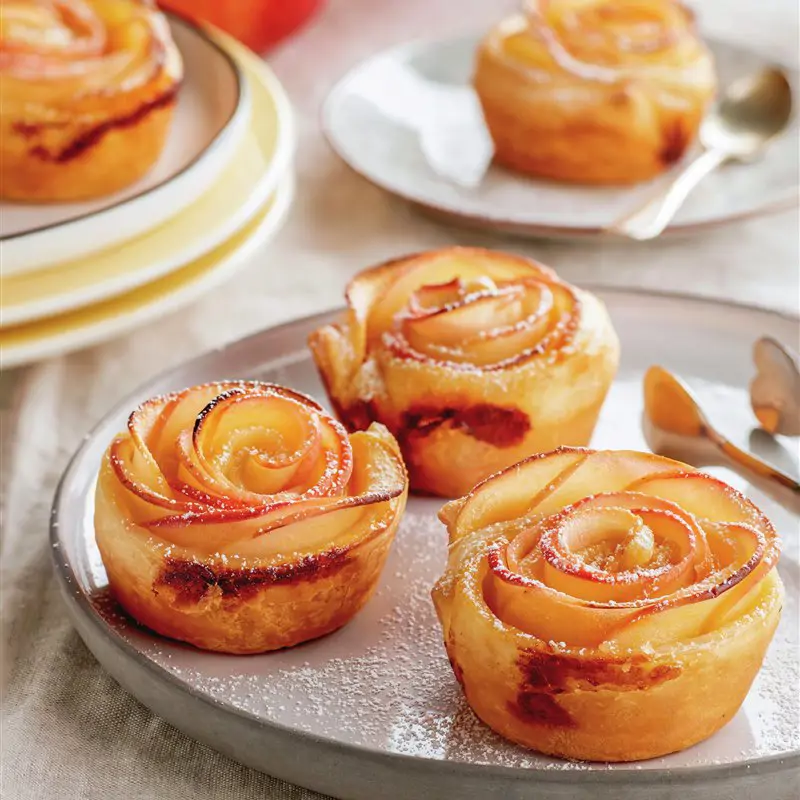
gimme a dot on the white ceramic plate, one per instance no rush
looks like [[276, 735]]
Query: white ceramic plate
[[97, 323], [384, 132], [373, 711], [261, 159], [210, 119]]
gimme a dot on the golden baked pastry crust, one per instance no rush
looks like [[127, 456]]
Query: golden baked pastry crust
[[241, 517], [594, 91], [607, 605], [473, 359], [87, 93]]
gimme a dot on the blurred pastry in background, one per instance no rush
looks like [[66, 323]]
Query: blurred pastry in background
[[87, 93], [594, 91]]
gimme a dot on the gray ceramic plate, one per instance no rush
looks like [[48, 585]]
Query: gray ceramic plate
[[373, 711], [407, 121]]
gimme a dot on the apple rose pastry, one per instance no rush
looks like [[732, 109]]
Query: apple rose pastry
[[87, 89], [473, 359], [607, 605], [594, 91], [241, 517]]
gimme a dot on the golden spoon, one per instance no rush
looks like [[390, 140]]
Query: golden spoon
[[675, 426], [753, 111]]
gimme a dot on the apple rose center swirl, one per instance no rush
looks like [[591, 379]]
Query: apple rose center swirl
[[57, 30], [484, 323], [71, 50], [594, 571], [254, 452], [594, 35]]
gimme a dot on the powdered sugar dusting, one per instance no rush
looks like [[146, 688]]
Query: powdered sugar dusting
[[384, 682]]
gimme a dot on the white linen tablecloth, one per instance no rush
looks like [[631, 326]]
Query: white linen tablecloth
[[68, 730]]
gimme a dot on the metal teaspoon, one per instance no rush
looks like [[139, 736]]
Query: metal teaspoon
[[752, 112], [775, 390], [674, 425]]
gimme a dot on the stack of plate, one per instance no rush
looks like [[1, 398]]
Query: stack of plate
[[76, 274]]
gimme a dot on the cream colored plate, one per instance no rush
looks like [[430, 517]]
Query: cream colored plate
[[261, 160], [373, 711], [210, 120], [391, 134], [96, 323]]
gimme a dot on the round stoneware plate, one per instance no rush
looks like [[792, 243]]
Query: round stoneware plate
[[210, 119], [261, 160], [373, 710], [408, 121], [97, 323]]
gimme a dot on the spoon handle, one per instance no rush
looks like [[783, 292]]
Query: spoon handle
[[781, 487], [649, 220]]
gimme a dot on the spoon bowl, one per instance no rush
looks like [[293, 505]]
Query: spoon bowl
[[673, 423], [754, 109], [775, 390], [675, 426]]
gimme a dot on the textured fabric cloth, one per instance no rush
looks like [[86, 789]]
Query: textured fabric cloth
[[68, 730]]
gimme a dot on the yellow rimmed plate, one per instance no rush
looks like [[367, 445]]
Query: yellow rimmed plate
[[54, 336], [262, 160]]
